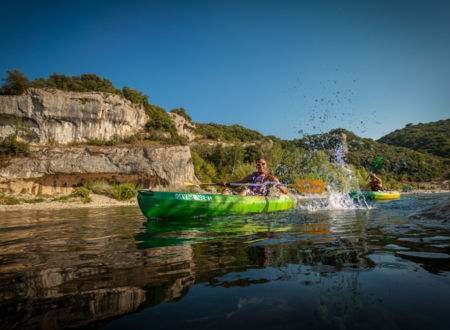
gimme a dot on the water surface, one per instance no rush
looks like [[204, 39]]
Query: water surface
[[312, 267]]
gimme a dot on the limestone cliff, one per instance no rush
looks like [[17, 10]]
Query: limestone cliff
[[184, 128], [58, 170], [62, 117]]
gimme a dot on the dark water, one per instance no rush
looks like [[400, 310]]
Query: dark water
[[322, 269]]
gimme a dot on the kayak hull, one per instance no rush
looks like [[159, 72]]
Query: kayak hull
[[173, 204], [375, 195]]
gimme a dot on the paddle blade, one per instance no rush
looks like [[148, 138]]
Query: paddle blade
[[199, 184], [309, 186], [376, 163]]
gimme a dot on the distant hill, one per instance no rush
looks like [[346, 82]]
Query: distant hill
[[433, 138], [399, 163]]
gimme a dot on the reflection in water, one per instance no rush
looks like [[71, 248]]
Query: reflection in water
[[357, 268]]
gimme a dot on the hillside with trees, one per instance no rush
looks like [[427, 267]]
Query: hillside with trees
[[433, 138], [416, 153], [399, 163]]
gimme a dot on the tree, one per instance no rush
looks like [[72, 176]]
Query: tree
[[181, 112], [16, 83]]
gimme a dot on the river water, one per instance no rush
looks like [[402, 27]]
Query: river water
[[313, 267]]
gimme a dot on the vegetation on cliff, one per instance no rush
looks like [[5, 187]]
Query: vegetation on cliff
[[233, 133], [433, 138], [17, 83]]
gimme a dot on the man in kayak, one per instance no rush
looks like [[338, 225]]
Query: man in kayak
[[375, 184], [259, 177]]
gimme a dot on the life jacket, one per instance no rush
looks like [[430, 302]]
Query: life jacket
[[376, 185], [259, 179]]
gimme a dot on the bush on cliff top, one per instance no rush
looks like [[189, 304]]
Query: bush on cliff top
[[233, 133], [181, 112]]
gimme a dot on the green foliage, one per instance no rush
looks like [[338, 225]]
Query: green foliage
[[161, 121], [9, 200], [33, 201], [83, 192], [125, 191], [16, 83], [115, 140], [317, 157], [12, 200], [101, 188], [233, 133], [83, 83], [204, 170], [65, 198], [401, 164], [181, 112], [132, 139], [433, 138], [9, 146], [121, 192], [135, 96]]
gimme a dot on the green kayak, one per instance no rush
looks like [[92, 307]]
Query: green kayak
[[375, 195], [173, 204]]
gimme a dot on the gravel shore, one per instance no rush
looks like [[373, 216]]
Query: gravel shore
[[97, 201]]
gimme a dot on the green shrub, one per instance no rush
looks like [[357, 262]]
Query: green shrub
[[33, 201], [101, 188], [132, 139], [125, 191], [181, 112], [83, 192], [115, 140], [9, 200], [10, 146], [16, 83], [227, 133], [64, 198]]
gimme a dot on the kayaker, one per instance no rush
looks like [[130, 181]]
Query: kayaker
[[259, 177], [375, 184]]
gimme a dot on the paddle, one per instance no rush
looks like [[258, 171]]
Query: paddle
[[302, 186], [375, 164]]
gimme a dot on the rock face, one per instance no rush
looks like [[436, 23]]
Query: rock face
[[62, 117], [56, 171], [184, 128]]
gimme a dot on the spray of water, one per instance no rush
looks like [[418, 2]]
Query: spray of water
[[339, 180]]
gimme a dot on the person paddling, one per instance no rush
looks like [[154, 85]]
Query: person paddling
[[259, 177], [375, 184]]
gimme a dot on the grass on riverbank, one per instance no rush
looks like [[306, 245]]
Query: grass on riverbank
[[120, 192], [12, 200]]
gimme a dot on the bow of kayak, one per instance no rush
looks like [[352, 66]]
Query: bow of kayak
[[158, 204], [375, 195]]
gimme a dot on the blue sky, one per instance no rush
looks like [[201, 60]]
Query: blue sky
[[278, 67]]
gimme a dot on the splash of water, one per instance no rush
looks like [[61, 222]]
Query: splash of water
[[339, 180]]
